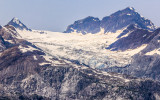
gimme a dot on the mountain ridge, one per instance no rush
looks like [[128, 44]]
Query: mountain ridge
[[112, 23]]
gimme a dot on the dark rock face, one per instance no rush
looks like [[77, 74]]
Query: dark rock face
[[129, 29], [87, 25], [154, 43], [112, 23], [8, 33], [144, 65], [147, 65], [18, 24], [135, 38], [6, 36]]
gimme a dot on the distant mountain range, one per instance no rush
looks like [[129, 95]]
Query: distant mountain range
[[120, 63]]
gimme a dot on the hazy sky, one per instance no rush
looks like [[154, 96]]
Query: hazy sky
[[56, 15]]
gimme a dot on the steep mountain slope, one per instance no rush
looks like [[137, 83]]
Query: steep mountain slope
[[18, 24], [17, 57], [133, 39], [26, 72], [56, 66], [116, 21], [147, 63], [68, 81]]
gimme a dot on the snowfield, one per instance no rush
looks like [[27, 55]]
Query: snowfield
[[87, 49]]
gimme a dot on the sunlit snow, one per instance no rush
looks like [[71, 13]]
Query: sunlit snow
[[156, 51], [89, 49], [17, 21]]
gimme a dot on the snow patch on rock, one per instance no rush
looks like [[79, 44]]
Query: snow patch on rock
[[35, 58], [26, 49], [156, 51]]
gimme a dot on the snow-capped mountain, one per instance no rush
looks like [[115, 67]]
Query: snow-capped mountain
[[18, 24], [56, 66], [124, 18], [34, 70], [116, 21]]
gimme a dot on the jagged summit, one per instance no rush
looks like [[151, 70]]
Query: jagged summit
[[130, 8], [18, 24], [116, 21], [126, 11], [16, 20]]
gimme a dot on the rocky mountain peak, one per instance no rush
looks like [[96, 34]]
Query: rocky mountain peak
[[126, 11], [87, 25], [130, 8], [18, 24], [123, 18], [16, 20]]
